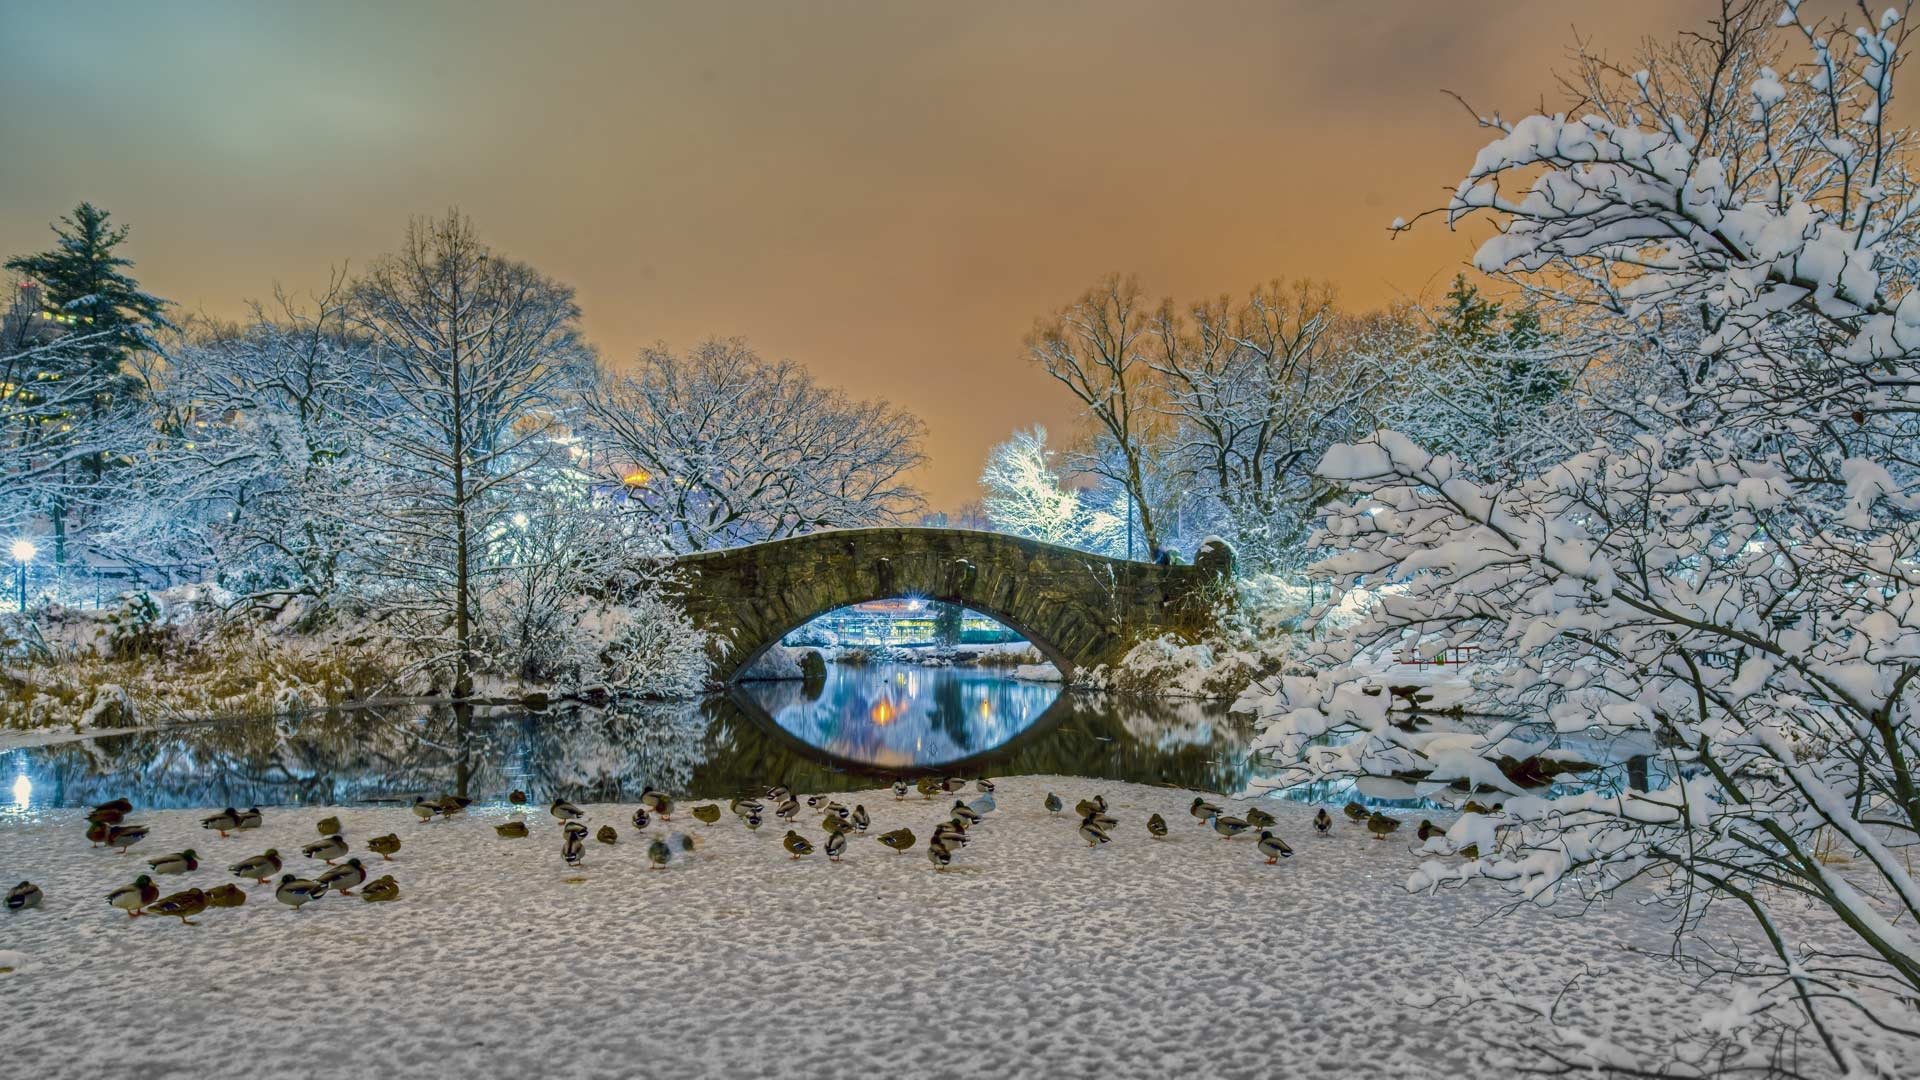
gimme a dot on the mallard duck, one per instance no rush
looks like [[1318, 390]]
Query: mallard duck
[[181, 905], [658, 854], [131, 898], [328, 826], [1053, 803], [573, 843], [898, 839], [777, 794], [1102, 819], [838, 810], [796, 844], [381, 890], [453, 804], [927, 786], [1354, 811], [742, 807], [251, 818], [118, 807], [899, 789], [1273, 847], [563, 810], [423, 809], [707, 814], [1428, 830], [23, 896], [952, 784], [344, 878], [965, 813], [297, 892], [752, 821], [1156, 826], [1229, 827], [1202, 810], [180, 862], [1093, 834], [940, 855], [1095, 805], [385, 846], [984, 785], [1260, 819], [659, 802], [97, 833], [106, 814], [788, 810], [517, 797], [836, 845], [260, 868], [1474, 806], [606, 835], [830, 825], [1322, 821], [223, 822], [1380, 825], [951, 834], [326, 850], [859, 818], [815, 802], [640, 819], [227, 895], [125, 836], [515, 829]]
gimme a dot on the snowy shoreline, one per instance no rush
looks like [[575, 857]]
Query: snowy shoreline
[[1033, 956]]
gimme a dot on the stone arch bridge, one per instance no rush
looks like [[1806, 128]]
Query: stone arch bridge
[[1078, 609]]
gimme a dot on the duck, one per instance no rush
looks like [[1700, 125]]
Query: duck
[[940, 855], [381, 890], [927, 786], [606, 835], [815, 802], [1380, 825], [131, 898], [947, 834], [226, 895], [326, 850], [796, 844], [836, 845], [423, 809], [517, 797], [573, 843], [97, 833], [344, 878], [1053, 803], [838, 810], [385, 846], [777, 794], [1474, 806], [1260, 819], [752, 821], [1354, 811], [985, 785], [742, 807], [898, 839], [681, 843], [859, 818], [788, 810], [181, 905], [640, 819], [453, 804], [658, 854], [224, 822], [952, 784], [1322, 821], [125, 836], [260, 868], [111, 811], [180, 862], [1273, 847], [899, 789], [1102, 819], [1428, 830], [1229, 827], [1157, 826], [965, 813], [563, 810], [297, 892], [1095, 805], [1202, 810], [708, 814], [515, 829], [251, 818], [1093, 834], [659, 802], [328, 826], [23, 896], [831, 825]]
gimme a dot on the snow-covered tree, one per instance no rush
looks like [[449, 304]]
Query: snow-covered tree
[[1025, 496], [719, 448], [1721, 584]]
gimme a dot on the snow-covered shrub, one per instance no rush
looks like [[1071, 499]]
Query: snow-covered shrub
[[654, 651], [1722, 585]]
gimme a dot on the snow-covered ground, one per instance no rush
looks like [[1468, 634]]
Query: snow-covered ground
[[1032, 956]]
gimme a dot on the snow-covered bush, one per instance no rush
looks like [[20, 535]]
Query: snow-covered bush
[[1724, 584]]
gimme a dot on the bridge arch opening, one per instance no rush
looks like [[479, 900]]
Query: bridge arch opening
[[913, 627]]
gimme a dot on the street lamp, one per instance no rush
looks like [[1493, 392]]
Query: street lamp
[[23, 553]]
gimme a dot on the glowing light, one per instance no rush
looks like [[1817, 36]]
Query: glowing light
[[519, 521], [22, 791], [883, 713], [986, 708], [637, 478], [23, 550]]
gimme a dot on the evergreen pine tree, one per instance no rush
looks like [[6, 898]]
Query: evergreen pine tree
[[87, 293]]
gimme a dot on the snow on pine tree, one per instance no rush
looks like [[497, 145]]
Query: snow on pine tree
[[1725, 581]]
